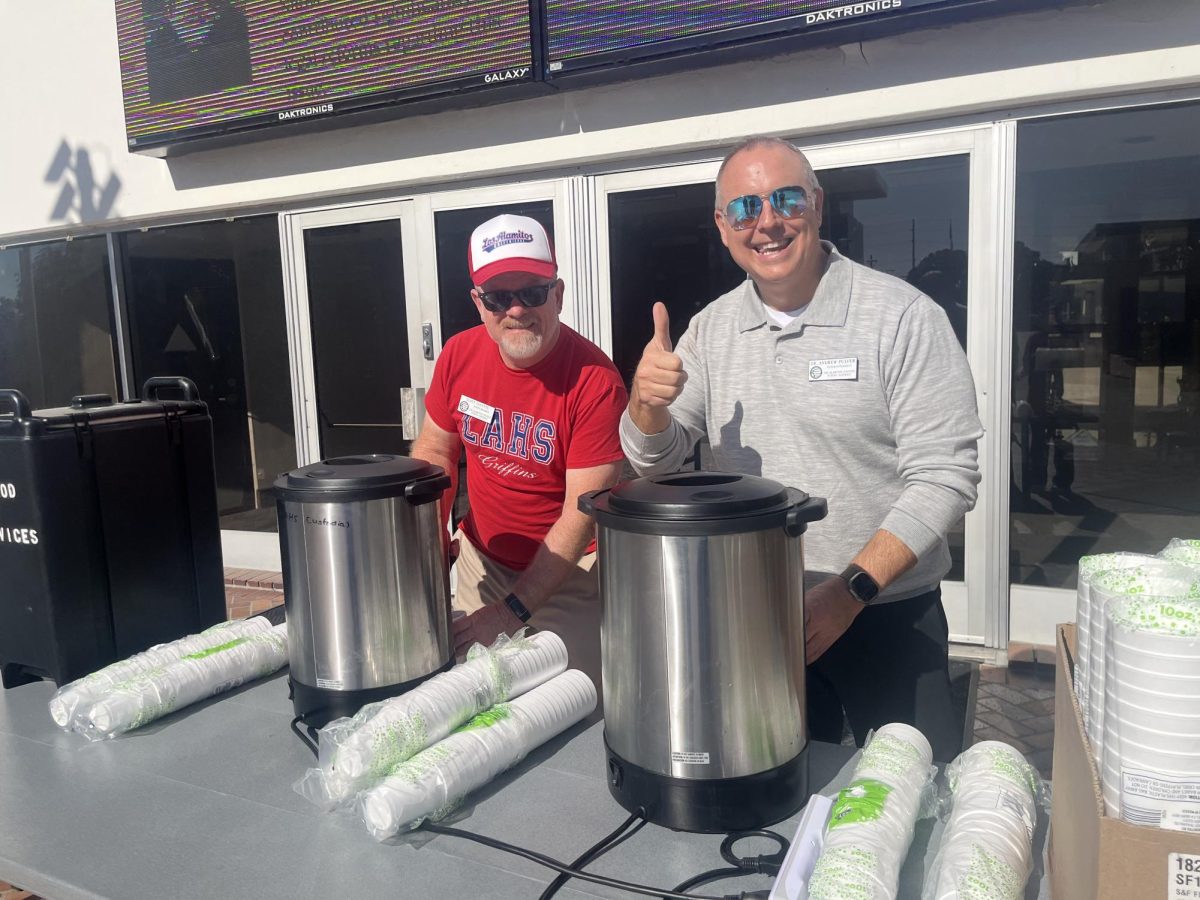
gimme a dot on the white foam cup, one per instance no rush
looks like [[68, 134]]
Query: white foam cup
[[1156, 740], [1086, 613], [1160, 696], [1135, 592], [1153, 678], [1135, 755], [544, 657], [1122, 712], [1157, 655]]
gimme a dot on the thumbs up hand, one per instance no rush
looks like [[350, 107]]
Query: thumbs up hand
[[659, 378], [662, 328]]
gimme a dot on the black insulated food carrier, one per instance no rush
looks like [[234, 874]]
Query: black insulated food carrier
[[109, 538]]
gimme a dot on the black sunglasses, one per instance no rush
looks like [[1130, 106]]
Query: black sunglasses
[[529, 297], [788, 202]]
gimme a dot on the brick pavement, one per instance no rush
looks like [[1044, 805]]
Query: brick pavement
[[249, 592], [1016, 705]]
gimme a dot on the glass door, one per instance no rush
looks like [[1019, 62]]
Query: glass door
[[1105, 335], [921, 208], [359, 336]]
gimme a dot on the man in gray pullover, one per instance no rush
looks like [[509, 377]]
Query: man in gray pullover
[[828, 376]]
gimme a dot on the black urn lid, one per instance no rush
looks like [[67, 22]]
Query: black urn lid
[[698, 495], [364, 477], [699, 503]]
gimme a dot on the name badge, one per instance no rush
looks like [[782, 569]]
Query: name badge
[[833, 369], [475, 409]]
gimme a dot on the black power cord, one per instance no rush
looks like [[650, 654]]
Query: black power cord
[[309, 739], [598, 849], [763, 864], [558, 866]]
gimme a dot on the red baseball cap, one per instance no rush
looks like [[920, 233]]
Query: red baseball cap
[[510, 243]]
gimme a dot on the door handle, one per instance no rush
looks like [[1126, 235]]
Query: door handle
[[427, 340]]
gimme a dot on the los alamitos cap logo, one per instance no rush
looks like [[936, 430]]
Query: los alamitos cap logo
[[510, 243]]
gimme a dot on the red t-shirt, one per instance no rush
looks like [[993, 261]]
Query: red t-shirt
[[522, 429]]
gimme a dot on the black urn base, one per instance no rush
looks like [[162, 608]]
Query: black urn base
[[317, 707], [710, 805]]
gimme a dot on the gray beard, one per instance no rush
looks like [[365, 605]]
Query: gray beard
[[521, 343]]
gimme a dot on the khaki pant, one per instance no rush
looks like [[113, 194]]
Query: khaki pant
[[572, 612]]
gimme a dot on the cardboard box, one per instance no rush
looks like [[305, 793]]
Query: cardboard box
[[1092, 855]]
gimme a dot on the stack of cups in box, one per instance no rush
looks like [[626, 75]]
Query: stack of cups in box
[[1154, 578], [1151, 750], [1089, 568]]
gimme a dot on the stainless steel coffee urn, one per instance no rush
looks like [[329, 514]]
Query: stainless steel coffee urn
[[702, 578], [366, 583]]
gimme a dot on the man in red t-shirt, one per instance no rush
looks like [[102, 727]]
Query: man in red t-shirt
[[536, 408]]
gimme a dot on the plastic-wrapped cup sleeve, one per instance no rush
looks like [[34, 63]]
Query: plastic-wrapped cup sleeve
[[987, 846], [403, 725], [849, 871], [182, 682], [872, 821], [357, 752], [428, 784], [71, 698], [400, 727], [116, 711], [1182, 550]]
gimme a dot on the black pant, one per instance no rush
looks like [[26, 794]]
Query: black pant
[[889, 666]]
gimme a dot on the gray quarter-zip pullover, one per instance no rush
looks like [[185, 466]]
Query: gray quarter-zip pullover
[[866, 399]]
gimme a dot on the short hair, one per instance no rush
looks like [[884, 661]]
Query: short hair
[[763, 140]]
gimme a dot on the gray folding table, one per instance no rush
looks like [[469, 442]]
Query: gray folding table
[[201, 804]]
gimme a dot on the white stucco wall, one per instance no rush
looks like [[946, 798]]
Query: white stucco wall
[[64, 168]]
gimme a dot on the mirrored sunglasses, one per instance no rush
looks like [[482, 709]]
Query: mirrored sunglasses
[[529, 297], [788, 202]]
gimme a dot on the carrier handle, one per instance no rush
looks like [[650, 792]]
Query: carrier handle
[[19, 402], [179, 383], [426, 490]]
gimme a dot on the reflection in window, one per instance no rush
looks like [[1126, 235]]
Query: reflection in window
[[664, 246], [206, 301], [1106, 339], [55, 321], [908, 219]]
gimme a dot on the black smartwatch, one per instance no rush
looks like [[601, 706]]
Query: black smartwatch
[[513, 602], [862, 586]]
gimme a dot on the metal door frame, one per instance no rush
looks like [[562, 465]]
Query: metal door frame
[[296, 303]]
